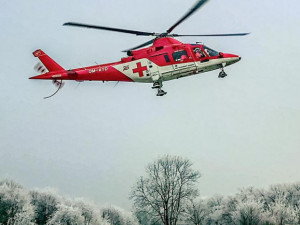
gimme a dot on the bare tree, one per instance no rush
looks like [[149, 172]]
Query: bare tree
[[167, 188]]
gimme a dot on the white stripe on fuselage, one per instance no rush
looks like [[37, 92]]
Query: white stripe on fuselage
[[129, 67], [171, 72]]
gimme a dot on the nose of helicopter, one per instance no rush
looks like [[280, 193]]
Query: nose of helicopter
[[238, 58], [230, 58]]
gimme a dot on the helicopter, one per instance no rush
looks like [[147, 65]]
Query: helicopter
[[165, 59]]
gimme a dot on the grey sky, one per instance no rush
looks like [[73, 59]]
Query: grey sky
[[94, 140]]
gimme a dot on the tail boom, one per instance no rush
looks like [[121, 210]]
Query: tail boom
[[62, 75], [104, 72]]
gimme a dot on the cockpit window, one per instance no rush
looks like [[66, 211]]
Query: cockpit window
[[210, 52], [180, 55]]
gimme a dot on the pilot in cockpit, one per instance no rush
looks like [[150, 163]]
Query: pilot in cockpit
[[198, 53]]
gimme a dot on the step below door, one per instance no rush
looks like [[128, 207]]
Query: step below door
[[184, 68]]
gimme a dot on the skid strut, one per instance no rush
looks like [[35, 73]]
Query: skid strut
[[158, 85]]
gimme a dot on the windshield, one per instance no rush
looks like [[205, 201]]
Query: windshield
[[210, 52]]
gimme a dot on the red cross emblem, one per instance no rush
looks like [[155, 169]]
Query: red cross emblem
[[140, 69]]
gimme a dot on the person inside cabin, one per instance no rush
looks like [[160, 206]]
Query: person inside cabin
[[180, 55], [183, 57], [198, 53]]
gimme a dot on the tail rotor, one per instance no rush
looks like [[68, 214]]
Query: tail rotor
[[40, 68], [48, 66], [59, 84]]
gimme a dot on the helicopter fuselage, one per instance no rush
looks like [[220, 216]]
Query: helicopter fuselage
[[166, 59]]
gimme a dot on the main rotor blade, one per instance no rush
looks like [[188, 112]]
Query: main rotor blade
[[209, 35], [188, 14], [140, 46], [109, 29]]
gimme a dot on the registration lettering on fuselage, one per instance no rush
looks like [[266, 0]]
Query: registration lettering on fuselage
[[100, 69]]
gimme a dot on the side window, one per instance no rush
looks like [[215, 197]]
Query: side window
[[167, 58], [180, 55]]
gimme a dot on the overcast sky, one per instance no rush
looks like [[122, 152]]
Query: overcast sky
[[94, 140]]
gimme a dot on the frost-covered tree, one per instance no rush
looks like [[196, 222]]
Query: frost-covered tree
[[245, 208], [295, 201], [45, 207], [67, 215], [251, 193], [250, 212], [216, 207], [90, 213], [113, 216], [144, 218], [15, 207], [129, 218], [46, 204], [282, 201], [283, 213], [25, 217], [117, 216], [196, 212], [166, 189]]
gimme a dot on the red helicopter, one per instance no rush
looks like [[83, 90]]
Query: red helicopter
[[166, 59]]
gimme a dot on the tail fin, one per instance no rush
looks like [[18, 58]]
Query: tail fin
[[49, 63]]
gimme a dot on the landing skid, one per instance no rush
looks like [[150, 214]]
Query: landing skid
[[158, 85], [222, 74], [161, 92]]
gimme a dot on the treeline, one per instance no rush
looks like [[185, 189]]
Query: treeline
[[278, 205], [19, 206], [166, 195]]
